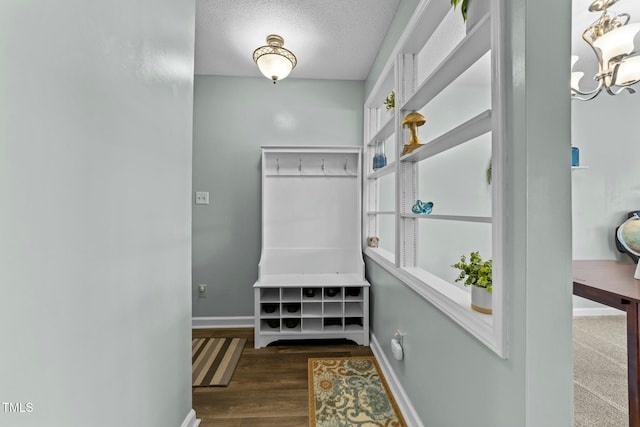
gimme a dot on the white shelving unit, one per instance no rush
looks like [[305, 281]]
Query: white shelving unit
[[450, 73], [311, 281]]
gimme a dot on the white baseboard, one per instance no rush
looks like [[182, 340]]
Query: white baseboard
[[222, 322], [191, 420], [597, 311], [406, 407]]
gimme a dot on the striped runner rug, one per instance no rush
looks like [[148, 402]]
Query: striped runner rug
[[213, 360]]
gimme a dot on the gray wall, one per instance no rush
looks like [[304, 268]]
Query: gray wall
[[606, 132], [452, 379], [95, 177], [233, 117]]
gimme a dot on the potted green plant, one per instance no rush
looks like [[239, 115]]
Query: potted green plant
[[390, 101], [478, 274], [472, 10], [463, 7]]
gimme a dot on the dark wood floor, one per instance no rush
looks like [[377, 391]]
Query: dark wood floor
[[269, 386]]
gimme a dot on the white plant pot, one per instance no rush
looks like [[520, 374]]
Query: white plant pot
[[476, 9], [481, 300]]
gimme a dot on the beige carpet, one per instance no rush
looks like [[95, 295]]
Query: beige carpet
[[600, 371]]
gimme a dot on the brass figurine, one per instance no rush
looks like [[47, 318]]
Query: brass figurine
[[412, 121]]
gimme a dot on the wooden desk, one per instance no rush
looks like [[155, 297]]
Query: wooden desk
[[612, 283]]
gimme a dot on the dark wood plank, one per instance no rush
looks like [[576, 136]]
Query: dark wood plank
[[633, 354], [270, 385], [609, 277]]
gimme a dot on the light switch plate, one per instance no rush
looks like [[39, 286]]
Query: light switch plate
[[202, 197]]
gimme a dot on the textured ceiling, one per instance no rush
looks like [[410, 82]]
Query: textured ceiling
[[332, 39]]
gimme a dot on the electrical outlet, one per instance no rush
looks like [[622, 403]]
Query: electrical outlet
[[202, 291], [202, 197]]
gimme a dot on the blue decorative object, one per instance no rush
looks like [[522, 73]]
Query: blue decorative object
[[575, 156], [379, 159], [422, 208]]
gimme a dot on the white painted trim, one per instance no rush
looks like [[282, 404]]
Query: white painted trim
[[191, 420], [406, 407], [597, 311], [222, 322]]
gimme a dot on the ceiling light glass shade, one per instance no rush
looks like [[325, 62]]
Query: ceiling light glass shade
[[575, 75], [612, 39], [616, 42], [274, 61], [575, 79], [629, 71], [274, 66]]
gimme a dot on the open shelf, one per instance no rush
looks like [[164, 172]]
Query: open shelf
[[390, 168], [385, 131], [473, 128], [469, 50], [381, 213], [486, 219]]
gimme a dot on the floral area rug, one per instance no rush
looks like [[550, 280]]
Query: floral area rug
[[350, 391]]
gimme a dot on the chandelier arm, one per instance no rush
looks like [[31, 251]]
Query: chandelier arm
[[624, 15], [585, 98], [591, 92], [611, 91]]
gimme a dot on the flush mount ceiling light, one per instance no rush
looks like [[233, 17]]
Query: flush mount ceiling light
[[274, 61], [611, 38]]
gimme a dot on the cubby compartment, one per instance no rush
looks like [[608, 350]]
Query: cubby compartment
[[332, 324], [270, 325], [312, 325], [332, 293], [270, 309], [311, 309], [291, 309], [270, 295], [353, 324], [312, 294], [291, 324], [332, 309], [353, 309], [291, 295], [353, 293]]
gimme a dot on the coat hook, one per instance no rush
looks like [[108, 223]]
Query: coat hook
[[278, 164], [300, 165], [346, 162], [322, 167]]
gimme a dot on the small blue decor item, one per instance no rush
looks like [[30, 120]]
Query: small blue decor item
[[422, 208], [575, 156], [379, 159]]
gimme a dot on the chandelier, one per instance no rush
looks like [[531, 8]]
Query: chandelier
[[274, 61], [611, 38]]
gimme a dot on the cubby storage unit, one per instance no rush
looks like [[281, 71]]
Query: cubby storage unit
[[311, 281]]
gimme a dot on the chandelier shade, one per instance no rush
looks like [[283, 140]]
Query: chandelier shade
[[612, 39], [274, 61]]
